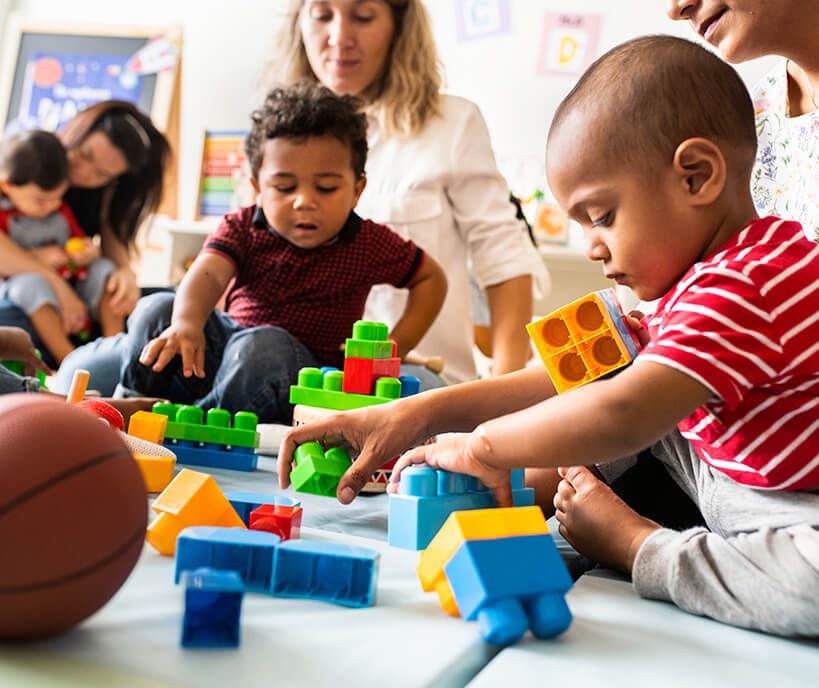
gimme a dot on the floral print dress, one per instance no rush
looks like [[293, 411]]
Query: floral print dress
[[785, 180]]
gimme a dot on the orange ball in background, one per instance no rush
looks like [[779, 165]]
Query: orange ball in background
[[73, 513]]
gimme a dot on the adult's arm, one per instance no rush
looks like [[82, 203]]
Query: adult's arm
[[510, 308]]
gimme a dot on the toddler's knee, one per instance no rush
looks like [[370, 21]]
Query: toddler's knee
[[31, 291], [151, 311]]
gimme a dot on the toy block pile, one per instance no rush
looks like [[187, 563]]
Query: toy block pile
[[584, 340], [501, 568], [427, 497], [215, 440], [371, 376]]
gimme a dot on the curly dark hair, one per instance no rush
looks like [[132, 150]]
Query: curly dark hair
[[307, 110], [34, 157]]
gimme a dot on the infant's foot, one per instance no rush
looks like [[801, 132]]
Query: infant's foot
[[596, 522]]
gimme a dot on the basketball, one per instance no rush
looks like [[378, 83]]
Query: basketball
[[73, 512]]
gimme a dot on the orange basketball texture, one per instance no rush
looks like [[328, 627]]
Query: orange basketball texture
[[73, 512]]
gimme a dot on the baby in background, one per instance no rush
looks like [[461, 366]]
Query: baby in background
[[33, 179]]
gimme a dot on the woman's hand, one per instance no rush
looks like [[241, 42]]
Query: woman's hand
[[123, 290], [53, 256], [16, 345], [456, 454], [74, 312], [374, 435], [179, 338]]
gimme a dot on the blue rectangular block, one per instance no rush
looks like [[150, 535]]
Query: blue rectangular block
[[213, 455], [325, 571], [213, 607], [247, 552], [418, 512], [245, 502]]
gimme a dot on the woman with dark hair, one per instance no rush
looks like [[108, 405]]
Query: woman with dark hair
[[117, 160]]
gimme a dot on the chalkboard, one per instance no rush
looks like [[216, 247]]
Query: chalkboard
[[49, 72]]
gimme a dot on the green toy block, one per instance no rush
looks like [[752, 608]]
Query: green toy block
[[190, 424], [371, 331], [360, 348], [19, 368], [324, 391], [316, 471]]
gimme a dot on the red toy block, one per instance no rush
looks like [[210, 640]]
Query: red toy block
[[360, 374], [281, 520]]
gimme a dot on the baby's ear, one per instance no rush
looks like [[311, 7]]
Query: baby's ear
[[360, 185], [702, 170]]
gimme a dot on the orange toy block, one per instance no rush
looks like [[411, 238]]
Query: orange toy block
[[192, 499], [584, 340], [148, 426], [157, 471], [481, 524]]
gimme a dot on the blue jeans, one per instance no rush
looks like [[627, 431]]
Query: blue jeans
[[246, 368], [101, 357]]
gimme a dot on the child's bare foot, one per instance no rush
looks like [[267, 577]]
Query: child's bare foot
[[596, 522]]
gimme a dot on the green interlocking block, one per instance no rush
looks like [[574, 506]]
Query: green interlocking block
[[189, 423], [323, 391], [371, 331], [316, 471], [361, 348]]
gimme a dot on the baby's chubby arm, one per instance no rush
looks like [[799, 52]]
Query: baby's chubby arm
[[427, 290], [598, 422], [195, 300]]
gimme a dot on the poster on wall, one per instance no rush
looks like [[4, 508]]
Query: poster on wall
[[481, 18], [568, 43]]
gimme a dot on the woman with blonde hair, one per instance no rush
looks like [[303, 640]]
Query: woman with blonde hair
[[431, 173]]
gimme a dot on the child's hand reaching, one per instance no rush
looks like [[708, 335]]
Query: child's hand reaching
[[456, 454], [179, 338], [83, 252], [16, 345]]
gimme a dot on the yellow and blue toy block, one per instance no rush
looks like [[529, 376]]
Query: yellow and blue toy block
[[511, 584], [247, 552], [326, 571], [213, 607], [461, 526], [192, 499], [427, 497], [317, 471], [245, 502], [584, 340], [210, 440]]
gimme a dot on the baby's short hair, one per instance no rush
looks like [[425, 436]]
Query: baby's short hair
[[34, 157], [650, 94], [307, 110]]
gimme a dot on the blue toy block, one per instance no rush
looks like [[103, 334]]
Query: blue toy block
[[247, 552], [427, 497], [213, 606], [245, 502], [325, 571], [410, 385], [511, 584], [213, 455]]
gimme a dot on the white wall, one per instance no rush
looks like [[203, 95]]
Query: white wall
[[226, 44]]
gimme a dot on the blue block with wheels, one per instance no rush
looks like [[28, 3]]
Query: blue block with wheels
[[247, 552], [245, 502], [428, 497], [213, 455], [325, 571], [213, 607], [511, 584]]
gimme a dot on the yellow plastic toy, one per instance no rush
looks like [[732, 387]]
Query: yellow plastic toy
[[481, 524], [148, 426], [584, 340], [192, 499]]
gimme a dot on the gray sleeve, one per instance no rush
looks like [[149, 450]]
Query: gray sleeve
[[766, 580], [12, 382]]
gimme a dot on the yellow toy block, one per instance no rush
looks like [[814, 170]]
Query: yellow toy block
[[148, 426], [192, 499], [481, 524], [584, 340], [157, 471]]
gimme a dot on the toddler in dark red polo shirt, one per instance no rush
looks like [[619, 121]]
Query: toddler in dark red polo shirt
[[298, 267]]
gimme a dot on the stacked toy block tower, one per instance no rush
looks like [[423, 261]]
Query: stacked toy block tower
[[501, 568], [584, 340], [371, 375]]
